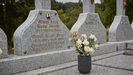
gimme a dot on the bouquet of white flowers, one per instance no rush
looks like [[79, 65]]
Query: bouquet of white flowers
[[84, 45], [0, 51]]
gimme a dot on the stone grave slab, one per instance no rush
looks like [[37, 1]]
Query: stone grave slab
[[124, 62], [43, 31], [3, 44], [96, 70]]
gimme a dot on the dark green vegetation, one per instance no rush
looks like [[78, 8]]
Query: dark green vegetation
[[13, 14]]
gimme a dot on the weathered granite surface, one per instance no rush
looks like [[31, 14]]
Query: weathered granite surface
[[89, 23], [120, 7], [43, 31], [64, 66], [106, 48], [88, 6], [18, 64], [132, 25], [43, 4], [120, 29], [96, 70], [39, 34], [124, 62], [3, 44]]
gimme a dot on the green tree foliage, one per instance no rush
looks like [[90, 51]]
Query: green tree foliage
[[107, 11], [68, 12], [129, 11], [12, 15]]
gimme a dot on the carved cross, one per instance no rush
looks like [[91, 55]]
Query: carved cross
[[43, 4], [120, 7], [88, 6]]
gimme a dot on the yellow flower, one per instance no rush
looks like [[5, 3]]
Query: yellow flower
[[1, 51], [74, 34]]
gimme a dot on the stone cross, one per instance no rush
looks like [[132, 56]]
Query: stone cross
[[43, 4], [120, 7], [88, 6]]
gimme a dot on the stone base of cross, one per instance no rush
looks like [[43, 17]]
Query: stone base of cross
[[129, 49]]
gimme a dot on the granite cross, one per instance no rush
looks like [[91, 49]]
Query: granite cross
[[88, 6], [43, 4], [120, 7]]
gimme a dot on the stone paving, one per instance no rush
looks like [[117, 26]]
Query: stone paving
[[115, 65]]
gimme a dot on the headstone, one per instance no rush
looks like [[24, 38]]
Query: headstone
[[120, 29], [42, 32], [3, 44], [90, 23], [132, 25]]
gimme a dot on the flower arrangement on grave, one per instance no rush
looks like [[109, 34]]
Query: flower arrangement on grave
[[85, 46], [1, 51]]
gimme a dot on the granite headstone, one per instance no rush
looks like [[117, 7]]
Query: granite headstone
[[120, 29], [3, 44], [132, 25], [43, 31], [90, 23]]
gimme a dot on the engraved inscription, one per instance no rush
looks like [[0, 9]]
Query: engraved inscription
[[50, 36]]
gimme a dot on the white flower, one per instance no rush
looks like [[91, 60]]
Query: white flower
[[1, 51], [86, 42], [95, 39], [86, 48], [84, 35], [96, 45], [79, 42], [91, 50], [92, 36]]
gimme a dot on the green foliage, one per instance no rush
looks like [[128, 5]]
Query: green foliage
[[68, 12], [13, 14], [129, 11], [107, 11]]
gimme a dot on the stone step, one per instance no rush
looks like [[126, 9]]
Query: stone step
[[49, 69], [129, 45], [55, 68], [128, 52], [18, 64], [129, 48]]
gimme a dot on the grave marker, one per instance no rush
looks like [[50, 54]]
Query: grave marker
[[3, 44], [41, 32], [90, 23], [120, 29]]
